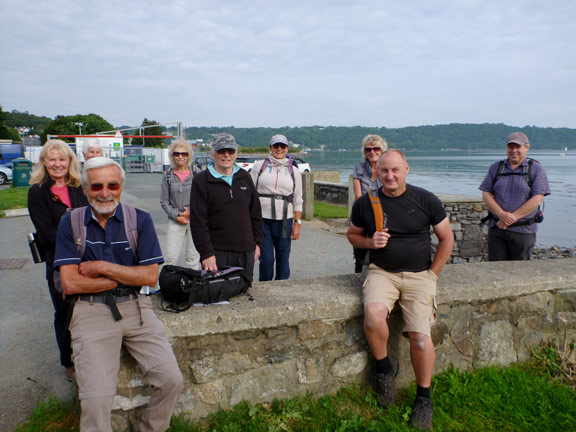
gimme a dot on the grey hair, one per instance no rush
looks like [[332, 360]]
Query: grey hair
[[99, 162], [91, 143]]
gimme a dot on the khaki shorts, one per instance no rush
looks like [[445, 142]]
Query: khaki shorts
[[415, 293]]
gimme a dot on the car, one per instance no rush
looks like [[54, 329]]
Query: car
[[202, 162], [5, 175], [304, 167], [246, 162]]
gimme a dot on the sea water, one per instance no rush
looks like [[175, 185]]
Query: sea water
[[461, 172]]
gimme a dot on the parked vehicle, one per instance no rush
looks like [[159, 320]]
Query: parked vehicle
[[5, 175], [304, 167], [246, 162], [9, 152], [203, 161]]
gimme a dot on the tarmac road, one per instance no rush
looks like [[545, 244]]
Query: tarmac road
[[29, 366]]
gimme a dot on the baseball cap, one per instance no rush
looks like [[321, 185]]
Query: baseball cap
[[278, 139], [519, 138], [224, 141]]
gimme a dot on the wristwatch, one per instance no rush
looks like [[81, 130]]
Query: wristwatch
[[298, 221]]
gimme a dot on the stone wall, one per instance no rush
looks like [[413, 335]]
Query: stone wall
[[306, 335], [331, 192], [465, 213]]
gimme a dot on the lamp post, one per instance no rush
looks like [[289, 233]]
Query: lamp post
[[79, 124]]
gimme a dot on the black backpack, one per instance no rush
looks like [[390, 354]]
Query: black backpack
[[182, 287]]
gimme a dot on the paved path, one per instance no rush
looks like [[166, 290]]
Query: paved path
[[29, 366]]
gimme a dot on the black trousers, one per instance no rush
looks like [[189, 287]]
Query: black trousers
[[237, 259], [359, 257], [61, 310], [505, 245]]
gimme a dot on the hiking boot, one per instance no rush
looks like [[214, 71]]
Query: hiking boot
[[422, 414], [384, 384]]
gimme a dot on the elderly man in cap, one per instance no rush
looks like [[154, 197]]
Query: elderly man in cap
[[513, 191], [225, 214]]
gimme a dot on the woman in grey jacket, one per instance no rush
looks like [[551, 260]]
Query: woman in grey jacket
[[175, 201]]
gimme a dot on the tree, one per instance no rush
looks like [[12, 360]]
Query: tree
[[150, 127], [35, 124], [72, 125], [5, 131]]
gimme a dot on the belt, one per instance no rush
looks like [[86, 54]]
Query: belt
[[97, 298]]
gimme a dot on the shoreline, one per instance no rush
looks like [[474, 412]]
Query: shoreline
[[339, 227]]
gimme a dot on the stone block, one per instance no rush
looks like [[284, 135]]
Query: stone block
[[470, 248], [265, 383], [496, 345], [313, 330], [350, 365], [310, 370]]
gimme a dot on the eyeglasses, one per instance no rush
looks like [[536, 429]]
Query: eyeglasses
[[226, 151], [184, 154], [279, 145], [372, 149], [97, 187]]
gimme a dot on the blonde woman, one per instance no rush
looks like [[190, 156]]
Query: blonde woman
[[175, 200], [55, 189], [366, 178]]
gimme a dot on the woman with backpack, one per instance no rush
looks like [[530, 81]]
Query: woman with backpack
[[279, 185], [55, 190], [175, 200]]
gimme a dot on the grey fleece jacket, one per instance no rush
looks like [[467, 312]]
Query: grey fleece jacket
[[175, 194]]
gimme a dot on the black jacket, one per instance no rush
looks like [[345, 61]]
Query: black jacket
[[46, 209], [223, 217]]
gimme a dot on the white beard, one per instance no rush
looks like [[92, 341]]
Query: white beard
[[95, 203]]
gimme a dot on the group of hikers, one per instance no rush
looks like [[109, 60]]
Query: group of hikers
[[226, 216]]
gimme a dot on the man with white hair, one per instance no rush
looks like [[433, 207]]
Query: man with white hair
[[92, 148], [104, 283]]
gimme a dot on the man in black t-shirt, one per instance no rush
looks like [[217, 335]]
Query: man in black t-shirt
[[401, 269]]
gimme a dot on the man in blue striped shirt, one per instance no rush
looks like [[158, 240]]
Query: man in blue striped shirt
[[104, 282]]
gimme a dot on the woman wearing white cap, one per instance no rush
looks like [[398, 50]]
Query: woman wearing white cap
[[279, 186]]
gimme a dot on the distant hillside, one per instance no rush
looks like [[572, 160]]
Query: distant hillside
[[17, 119], [452, 136]]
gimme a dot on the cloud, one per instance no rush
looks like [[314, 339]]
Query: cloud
[[252, 63]]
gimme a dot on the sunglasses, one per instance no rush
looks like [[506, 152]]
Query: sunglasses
[[372, 149], [176, 154], [97, 187], [226, 151], [279, 145]]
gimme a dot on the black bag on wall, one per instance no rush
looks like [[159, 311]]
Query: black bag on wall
[[181, 287]]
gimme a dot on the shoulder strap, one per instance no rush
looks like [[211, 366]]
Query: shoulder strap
[[499, 172], [131, 226], [377, 208], [527, 171], [169, 175], [79, 229], [262, 168]]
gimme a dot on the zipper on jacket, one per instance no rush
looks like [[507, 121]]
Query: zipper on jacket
[[231, 195]]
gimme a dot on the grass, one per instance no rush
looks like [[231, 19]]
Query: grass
[[535, 396], [13, 198], [325, 211]]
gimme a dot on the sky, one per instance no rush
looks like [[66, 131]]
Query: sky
[[241, 63]]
